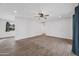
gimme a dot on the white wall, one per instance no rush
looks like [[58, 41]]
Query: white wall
[[35, 28], [60, 28], [26, 28], [21, 28]]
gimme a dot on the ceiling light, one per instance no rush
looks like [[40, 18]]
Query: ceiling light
[[14, 11], [59, 16]]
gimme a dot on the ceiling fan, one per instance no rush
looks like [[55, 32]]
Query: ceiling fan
[[42, 14]]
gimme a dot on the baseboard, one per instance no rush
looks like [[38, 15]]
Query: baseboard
[[69, 41], [7, 37], [30, 37]]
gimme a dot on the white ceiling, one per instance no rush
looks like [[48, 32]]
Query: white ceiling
[[55, 10]]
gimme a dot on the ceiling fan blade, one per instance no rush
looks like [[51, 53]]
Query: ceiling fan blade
[[46, 15], [41, 10]]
